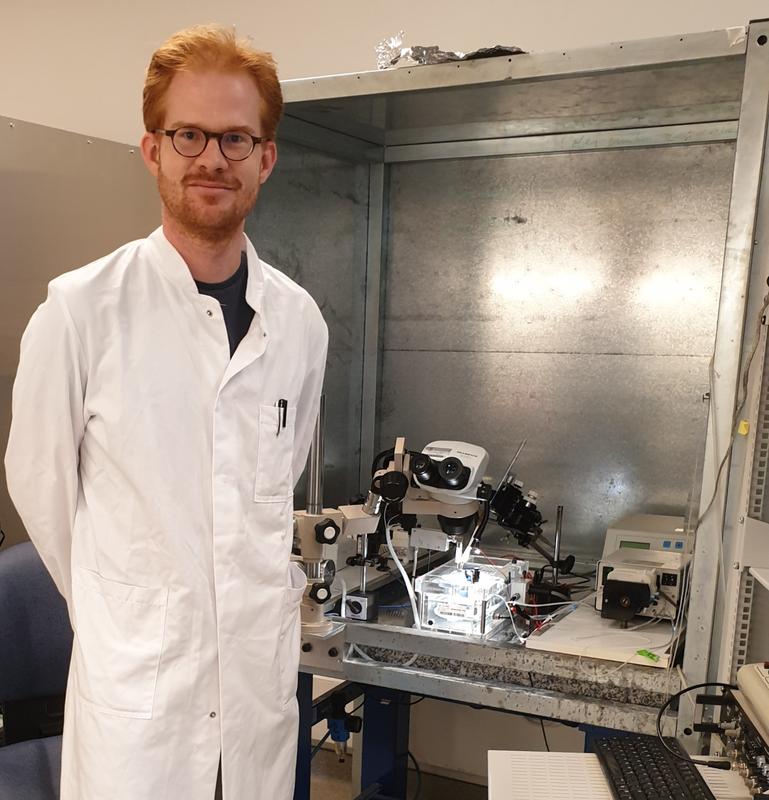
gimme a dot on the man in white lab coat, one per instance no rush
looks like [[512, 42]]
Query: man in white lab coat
[[162, 412]]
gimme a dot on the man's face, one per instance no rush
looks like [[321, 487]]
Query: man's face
[[208, 196]]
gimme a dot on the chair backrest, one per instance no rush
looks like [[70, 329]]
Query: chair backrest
[[35, 634]]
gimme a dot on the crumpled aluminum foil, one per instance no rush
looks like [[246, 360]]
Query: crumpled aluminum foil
[[389, 52]]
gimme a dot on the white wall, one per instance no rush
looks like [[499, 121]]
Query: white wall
[[79, 65]]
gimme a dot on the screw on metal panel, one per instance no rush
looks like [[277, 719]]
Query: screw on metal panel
[[88, 141], [742, 520], [735, 565], [132, 151], [705, 397], [11, 125]]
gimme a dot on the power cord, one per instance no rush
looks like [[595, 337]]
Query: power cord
[[666, 705], [418, 792]]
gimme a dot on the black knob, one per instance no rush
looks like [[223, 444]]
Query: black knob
[[393, 486], [353, 724], [333, 652], [320, 592], [306, 647], [326, 531], [355, 606]]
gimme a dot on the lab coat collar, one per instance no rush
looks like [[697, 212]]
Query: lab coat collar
[[174, 267]]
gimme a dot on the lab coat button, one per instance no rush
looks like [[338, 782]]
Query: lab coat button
[[209, 312], [212, 714]]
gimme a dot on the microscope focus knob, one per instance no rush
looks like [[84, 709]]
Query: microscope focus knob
[[320, 593], [392, 486], [326, 531]]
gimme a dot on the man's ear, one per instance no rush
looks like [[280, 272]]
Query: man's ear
[[269, 157], [150, 147]]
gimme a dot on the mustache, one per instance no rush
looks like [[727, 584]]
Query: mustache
[[233, 184]]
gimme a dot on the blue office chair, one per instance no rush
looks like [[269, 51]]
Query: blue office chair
[[35, 647]]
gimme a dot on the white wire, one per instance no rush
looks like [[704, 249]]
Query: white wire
[[743, 389], [521, 639], [465, 556], [550, 605], [343, 609], [404, 574], [364, 655]]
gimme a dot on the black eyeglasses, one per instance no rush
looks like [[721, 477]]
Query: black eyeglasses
[[234, 145]]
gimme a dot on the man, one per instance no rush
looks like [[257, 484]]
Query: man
[[157, 436]]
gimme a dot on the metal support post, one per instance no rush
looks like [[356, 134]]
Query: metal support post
[[304, 746], [385, 742], [740, 299]]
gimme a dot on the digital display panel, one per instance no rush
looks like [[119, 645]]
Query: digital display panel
[[635, 545]]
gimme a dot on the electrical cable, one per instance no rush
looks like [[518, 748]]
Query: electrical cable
[[418, 791], [666, 704], [541, 721], [384, 454], [320, 744], [464, 555], [401, 569], [744, 381], [364, 655], [544, 735], [343, 607]]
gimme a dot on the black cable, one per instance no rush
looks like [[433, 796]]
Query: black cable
[[368, 692], [670, 600], [484, 522], [544, 735], [666, 704], [319, 745], [379, 457], [418, 792], [541, 721]]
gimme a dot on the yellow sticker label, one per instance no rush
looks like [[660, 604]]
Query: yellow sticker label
[[744, 428]]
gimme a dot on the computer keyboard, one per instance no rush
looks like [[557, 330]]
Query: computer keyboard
[[640, 768]]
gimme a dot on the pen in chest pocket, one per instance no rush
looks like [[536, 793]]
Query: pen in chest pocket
[[282, 411]]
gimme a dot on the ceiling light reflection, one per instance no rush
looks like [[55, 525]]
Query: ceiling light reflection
[[530, 284], [670, 289]]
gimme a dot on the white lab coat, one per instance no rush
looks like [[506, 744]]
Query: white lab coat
[[151, 474]]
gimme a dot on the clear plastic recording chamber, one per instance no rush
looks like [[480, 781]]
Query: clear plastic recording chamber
[[469, 598]]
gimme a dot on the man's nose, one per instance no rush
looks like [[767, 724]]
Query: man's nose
[[212, 158]]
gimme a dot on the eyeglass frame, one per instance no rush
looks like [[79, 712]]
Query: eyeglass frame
[[255, 140]]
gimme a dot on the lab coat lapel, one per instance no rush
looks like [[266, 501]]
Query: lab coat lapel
[[254, 342]]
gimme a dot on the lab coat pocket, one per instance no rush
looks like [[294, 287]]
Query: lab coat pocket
[[119, 632], [275, 452], [291, 633]]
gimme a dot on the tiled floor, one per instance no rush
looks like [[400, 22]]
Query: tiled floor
[[331, 781]]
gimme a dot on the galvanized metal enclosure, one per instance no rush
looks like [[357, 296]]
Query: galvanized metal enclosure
[[550, 264], [553, 247]]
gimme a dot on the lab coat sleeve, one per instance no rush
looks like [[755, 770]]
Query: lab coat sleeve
[[41, 460], [309, 398]]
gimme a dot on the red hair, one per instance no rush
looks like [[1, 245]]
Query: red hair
[[210, 47]]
